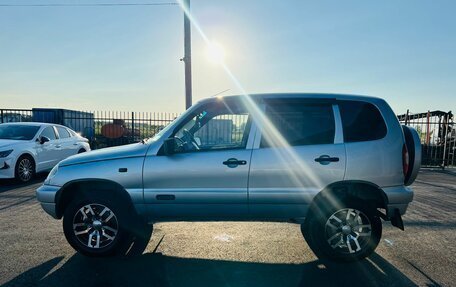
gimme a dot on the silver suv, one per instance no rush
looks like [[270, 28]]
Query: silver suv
[[336, 164]]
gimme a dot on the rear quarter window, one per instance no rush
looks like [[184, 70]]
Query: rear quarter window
[[63, 132], [361, 121]]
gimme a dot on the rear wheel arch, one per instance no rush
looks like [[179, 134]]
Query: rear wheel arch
[[351, 190], [83, 188]]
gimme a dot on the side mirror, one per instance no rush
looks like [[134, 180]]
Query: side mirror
[[43, 139], [169, 146]]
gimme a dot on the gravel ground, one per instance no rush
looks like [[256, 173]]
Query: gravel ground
[[33, 250]]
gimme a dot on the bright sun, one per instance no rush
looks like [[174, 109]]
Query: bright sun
[[215, 53]]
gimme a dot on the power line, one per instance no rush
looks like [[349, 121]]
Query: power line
[[90, 5]]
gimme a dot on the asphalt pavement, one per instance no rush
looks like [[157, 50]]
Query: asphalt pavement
[[34, 252]]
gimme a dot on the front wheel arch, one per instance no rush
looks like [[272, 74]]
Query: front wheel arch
[[73, 189]]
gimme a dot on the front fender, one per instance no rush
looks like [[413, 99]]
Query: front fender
[[126, 172]]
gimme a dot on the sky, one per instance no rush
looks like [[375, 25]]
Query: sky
[[127, 58]]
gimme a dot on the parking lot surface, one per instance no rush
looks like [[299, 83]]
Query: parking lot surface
[[34, 251]]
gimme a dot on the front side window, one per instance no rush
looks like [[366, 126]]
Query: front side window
[[49, 133], [361, 121], [216, 126], [63, 132], [298, 123], [18, 132]]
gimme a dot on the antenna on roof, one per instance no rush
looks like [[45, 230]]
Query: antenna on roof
[[219, 93]]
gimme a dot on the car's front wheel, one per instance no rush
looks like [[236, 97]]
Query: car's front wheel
[[25, 168], [99, 226], [348, 232]]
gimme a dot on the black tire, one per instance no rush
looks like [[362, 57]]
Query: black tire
[[24, 162], [123, 217], [321, 223]]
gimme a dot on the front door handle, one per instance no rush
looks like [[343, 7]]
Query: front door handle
[[326, 159], [58, 146], [234, 162], [165, 197]]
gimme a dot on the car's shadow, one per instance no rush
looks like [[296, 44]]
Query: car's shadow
[[10, 184], [155, 269]]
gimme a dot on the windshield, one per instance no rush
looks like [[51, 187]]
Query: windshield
[[170, 125], [18, 132], [163, 131]]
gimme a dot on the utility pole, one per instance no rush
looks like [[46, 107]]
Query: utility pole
[[187, 57]]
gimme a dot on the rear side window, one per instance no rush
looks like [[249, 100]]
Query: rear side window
[[299, 124], [63, 132], [361, 121]]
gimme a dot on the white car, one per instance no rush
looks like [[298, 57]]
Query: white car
[[29, 148]]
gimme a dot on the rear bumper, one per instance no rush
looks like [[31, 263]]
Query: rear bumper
[[45, 194], [399, 198]]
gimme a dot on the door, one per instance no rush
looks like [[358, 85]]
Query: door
[[68, 144], [207, 176], [47, 153], [300, 151]]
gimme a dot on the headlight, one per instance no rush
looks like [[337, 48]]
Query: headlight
[[5, 153], [51, 174]]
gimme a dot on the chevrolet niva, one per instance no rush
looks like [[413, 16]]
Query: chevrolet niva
[[336, 164]]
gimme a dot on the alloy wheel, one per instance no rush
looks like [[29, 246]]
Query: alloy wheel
[[348, 230], [95, 226], [25, 169]]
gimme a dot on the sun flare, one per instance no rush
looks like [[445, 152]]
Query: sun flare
[[215, 53]]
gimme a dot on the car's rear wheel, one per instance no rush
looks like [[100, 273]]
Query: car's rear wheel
[[349, 232], [25, 169]]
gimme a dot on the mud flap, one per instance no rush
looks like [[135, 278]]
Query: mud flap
[[396, 220]]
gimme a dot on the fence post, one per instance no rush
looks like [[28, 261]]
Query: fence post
[[2, 116], [446, 123], [132, 126], [428, 126], [406, 117]]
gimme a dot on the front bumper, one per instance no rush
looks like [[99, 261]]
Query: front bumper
[[45, 194], [6, 168], [399, 198]]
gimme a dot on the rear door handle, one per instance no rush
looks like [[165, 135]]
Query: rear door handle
[[234, 162], [326, 159]]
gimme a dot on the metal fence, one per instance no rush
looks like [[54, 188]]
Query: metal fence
[[107, 128], [438, 136], [102, 128], [15, 115]]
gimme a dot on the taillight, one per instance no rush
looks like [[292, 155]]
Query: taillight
[[405, 160]]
